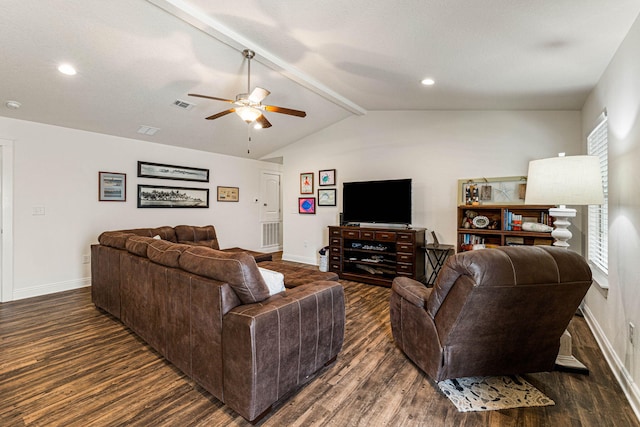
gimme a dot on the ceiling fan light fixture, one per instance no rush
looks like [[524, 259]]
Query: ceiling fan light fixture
[[248, 114]]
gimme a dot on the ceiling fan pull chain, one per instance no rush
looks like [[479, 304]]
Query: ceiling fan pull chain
[[248, 138]]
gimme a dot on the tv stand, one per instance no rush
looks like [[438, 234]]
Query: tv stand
[[376, 255]]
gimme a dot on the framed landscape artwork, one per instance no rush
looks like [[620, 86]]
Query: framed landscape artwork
[[162, 196], [307, 205], [306, 183], [183, 173], [112, 187]]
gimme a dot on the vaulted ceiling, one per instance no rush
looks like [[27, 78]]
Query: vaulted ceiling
[[330, 58]]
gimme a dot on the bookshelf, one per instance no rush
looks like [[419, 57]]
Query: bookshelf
[[498, 225]]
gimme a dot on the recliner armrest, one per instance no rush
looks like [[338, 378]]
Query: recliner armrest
[[411, 290]]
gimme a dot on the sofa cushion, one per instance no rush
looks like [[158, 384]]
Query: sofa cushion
[[138, 245], [295, 275], [237, 269], [165, 233], [114, 239], [201, 236], [213, 244], [166, 253]]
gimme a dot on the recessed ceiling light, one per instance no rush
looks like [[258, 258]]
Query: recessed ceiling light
[[428, 82], [67, 69]]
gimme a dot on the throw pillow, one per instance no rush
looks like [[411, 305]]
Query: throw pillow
[[273, 279]]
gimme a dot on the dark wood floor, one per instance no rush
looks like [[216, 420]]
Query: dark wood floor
[[64, 363]]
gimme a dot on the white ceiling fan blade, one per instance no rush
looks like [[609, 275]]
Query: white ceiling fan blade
[[258, 95]]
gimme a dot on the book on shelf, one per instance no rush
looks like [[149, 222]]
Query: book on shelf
[[514, 241]]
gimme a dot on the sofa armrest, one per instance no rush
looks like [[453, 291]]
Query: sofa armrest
[[272, 347], [413, 291]]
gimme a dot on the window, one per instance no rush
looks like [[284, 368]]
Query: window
[[598, 239]]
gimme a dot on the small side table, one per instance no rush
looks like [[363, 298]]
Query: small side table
[[437, 254]]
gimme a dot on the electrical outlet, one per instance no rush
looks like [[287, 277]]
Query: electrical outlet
[[86, 259], [632, 329]]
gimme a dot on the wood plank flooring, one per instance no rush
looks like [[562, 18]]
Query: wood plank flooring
[[65, 363]]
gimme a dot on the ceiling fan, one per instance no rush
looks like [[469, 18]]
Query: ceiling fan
[[249, 105]]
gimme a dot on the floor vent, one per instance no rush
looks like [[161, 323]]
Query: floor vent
[[271, 232]]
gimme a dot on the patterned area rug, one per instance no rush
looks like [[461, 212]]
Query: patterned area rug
[[492, 393]]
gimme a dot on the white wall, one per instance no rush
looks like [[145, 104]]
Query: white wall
[[434, 148], [57, 168], [619, 92]]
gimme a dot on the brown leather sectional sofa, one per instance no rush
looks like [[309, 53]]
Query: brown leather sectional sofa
[[209, 313]]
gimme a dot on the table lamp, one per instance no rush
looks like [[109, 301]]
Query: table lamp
[[562, 181]]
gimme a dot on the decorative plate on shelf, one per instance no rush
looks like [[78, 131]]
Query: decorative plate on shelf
[[480, 221]]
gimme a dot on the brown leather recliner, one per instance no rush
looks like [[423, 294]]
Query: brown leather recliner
[[491, 312]]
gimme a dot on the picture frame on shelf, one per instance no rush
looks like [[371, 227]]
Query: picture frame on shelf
[[112, 187], [228, 194], [163, 171], [306, 183], [326, 197], [327, 177], [505, 190], [163, 196], [306, 205]]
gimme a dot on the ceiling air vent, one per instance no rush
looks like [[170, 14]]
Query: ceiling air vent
[[183, 104], [148, 130]]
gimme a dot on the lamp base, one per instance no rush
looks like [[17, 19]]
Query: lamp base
[[561, 234], [566, 361]]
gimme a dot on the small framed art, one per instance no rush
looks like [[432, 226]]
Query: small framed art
[[306, 183], [326, 196], [112, 187], [327, 177], [228, 194], [307, 205]]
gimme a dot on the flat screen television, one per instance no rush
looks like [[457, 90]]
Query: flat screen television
[[386, 202]]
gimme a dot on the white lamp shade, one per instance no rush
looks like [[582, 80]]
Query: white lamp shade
[[572, 180]]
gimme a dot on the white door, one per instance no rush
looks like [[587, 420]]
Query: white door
[[270, 197], [270, 210], [6, 220]]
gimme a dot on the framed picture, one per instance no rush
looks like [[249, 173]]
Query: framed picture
[[162, 196], [327, 177], [112, 187], [326, 196], [307, 205], [306, 183], [228, 194], [182, 173]]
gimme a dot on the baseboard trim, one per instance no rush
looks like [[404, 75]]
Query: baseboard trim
[[303, 260], [51, 288], [628, 385]]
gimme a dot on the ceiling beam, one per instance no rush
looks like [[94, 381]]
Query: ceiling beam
[[200, 20]]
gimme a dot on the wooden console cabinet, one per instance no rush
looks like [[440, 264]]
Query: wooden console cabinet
[[377, 255], [501, 232]]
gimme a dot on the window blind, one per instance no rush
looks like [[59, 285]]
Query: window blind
[[598, 247]]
